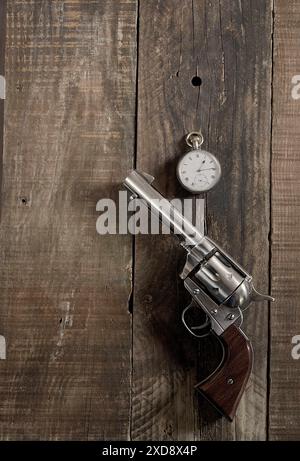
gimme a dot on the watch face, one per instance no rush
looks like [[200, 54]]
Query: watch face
[[198, 171]]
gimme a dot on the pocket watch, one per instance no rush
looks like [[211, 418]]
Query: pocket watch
[[198, 170]]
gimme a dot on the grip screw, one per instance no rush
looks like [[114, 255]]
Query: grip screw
[[230, 381], [196, 291]]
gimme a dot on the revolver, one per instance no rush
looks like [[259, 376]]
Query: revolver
[[219, 286]]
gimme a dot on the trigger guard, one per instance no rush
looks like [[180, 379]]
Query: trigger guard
[[206, 323]]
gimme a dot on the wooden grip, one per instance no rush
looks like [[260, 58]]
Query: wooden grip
[[225, 387]]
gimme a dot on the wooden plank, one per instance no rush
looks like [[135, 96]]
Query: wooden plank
[[69, 140], [239, 126], [2, 76], [228, 45], [285, 316]]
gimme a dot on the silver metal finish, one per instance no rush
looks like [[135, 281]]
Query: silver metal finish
[[194, 139], [198, 171], [220, 320], [231, 316], [196, 254], [219, 277], [140, 185], [217, 284]]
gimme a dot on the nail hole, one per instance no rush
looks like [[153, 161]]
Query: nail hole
[[196, 81], [23, 200]]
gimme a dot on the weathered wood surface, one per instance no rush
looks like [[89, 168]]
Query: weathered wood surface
[[228, 45], [78, 366], [69, 140], [284, 407], [2, 70], [239, 128]]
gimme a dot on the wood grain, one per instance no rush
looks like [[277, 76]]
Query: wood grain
[[70, 135], [228, 45], [2, 73], [239, 127], [69, 140], [225, 388], [285, 315]]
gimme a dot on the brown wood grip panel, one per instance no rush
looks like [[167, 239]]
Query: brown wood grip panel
[[225, 387]]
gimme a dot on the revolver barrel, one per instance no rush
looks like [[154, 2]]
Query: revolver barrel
[[140, 185]]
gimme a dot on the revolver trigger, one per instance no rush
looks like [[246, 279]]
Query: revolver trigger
[[199, 330]]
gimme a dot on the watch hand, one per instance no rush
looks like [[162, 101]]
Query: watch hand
[[205, 169]]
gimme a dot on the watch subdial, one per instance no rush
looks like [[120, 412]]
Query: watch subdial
[[202, 180]]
